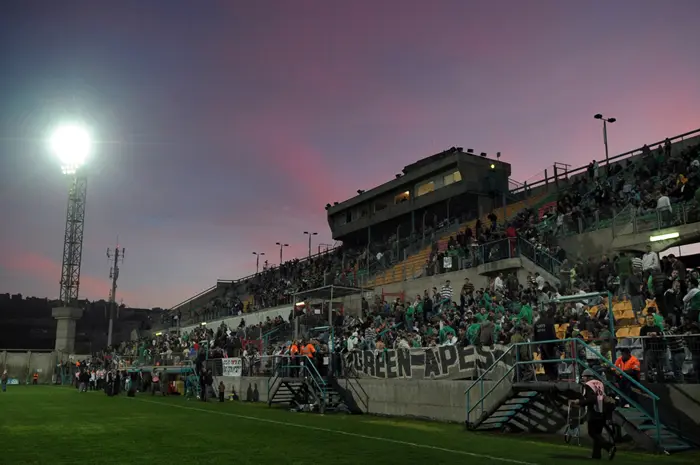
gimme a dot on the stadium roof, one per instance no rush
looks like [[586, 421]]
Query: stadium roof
[[327, 292]]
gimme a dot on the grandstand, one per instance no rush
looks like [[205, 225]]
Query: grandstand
[[403, 258]]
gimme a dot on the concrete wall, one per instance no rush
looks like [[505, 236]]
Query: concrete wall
[[429, 399], [605, 241], [250, 318], [22, 365], [479, 276]]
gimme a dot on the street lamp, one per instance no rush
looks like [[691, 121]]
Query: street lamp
[[605, 135], [310, 234], [257, 260], [282, 245], [72, 145]]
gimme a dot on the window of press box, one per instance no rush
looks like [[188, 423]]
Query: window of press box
[[452, 178], [402, 197], [425, 188]]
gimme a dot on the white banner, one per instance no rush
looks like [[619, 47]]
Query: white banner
[[447, 262], [232, 366]]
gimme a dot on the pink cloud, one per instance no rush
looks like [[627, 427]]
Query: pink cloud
[[46, 271]]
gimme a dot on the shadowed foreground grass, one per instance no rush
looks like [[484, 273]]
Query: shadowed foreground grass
[[41, 424]]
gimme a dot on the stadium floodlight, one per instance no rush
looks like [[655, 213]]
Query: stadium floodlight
[[72, 145]]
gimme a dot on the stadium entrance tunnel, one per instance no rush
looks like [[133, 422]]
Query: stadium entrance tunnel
[[517, 401]]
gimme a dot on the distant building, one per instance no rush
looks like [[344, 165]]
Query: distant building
[[27, 324]]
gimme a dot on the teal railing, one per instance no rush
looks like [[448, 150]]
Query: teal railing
[[304, 368], [576, 362]]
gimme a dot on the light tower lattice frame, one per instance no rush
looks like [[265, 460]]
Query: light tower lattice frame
[[73, 240]]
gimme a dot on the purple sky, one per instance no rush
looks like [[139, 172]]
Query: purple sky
[[228, 125]]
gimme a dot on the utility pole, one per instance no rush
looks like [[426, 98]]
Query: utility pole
[[118, 256]]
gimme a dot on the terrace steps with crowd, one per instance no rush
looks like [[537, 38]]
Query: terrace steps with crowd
[[626, 324], [413, 265]]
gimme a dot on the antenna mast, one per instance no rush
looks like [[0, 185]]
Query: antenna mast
[[117, 255]]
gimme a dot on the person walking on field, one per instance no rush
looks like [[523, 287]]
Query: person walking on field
[[599, 408], [3, 381]]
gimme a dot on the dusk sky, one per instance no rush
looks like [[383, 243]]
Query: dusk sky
[[226, 126]]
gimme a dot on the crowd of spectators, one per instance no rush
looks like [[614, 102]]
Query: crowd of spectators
[[663, 295], [648, 184], [491, 241]]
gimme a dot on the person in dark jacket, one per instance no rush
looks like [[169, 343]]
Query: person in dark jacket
[[544, 331], [598, 410]]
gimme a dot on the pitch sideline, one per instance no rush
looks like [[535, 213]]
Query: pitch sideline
[[339, 432]]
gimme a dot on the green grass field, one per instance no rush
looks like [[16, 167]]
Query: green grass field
[[42, 425]]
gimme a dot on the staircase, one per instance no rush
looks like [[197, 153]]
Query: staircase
[[413, 266], [529, 407], [513, 404], [643, 429], [297, 383]]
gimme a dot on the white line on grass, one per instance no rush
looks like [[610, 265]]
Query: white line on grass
[[343, 433]]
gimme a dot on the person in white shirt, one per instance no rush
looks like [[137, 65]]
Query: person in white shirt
[[539, 281], [664, 209], [446, 291], [353, 341], [498, 284], [650, 261]]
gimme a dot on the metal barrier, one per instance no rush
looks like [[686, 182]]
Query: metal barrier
[[673, 358], [518, 372], [502, 249], [629, 220]]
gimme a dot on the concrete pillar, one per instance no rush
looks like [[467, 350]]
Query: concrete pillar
[[66, 318]]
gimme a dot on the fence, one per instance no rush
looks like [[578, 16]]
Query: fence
[[501, 249], [544, 178], [673, 358], [629, 220]]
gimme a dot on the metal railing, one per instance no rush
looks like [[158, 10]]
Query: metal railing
[[494, 251], [629, 220], [301, 367], [544, 178], [515, 372]]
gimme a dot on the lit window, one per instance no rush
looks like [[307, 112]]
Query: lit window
[[452, 178], [425, 188], [402, 197]]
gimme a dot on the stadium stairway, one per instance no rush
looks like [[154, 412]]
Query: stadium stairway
[[528, 407], [413, 266], [308, 387], [514, 401]]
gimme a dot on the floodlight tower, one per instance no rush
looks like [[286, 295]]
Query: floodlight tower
[[118, 256], [72, 146]]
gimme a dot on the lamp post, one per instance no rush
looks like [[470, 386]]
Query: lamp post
[[257, 261], [605, 135], [72, 145], [310, 234], [282, 245]]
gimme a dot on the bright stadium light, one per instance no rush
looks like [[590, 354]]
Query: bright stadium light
[[72, 145]]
